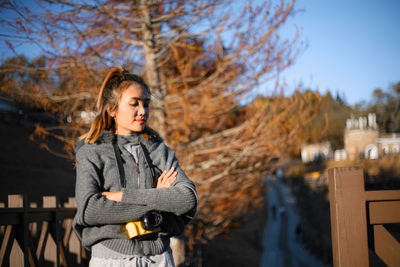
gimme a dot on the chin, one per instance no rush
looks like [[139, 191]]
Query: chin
[[138, 129]]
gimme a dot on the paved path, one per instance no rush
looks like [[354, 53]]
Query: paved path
[[280, 246]]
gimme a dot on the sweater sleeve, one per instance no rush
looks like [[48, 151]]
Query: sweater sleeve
[[180, 198], [92, 207]]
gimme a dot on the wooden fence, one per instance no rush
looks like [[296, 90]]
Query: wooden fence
[[33, 236], [358, 220]]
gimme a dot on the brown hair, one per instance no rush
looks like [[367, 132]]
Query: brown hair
[[117, 80]]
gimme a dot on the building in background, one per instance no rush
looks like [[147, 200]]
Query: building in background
[[313, 152], [361, 140], [389, 144]]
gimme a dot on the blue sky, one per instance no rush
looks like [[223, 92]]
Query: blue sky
[[353, 46]]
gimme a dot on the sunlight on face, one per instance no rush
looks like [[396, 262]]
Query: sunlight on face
[[133, 110]]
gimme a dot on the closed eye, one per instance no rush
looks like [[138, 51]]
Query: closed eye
[[137, 101]]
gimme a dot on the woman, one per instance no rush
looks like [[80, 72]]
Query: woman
[[128, 178]]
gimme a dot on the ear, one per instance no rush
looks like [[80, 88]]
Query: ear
[[111, 111]]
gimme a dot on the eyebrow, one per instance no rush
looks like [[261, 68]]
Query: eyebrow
[[140, 99]]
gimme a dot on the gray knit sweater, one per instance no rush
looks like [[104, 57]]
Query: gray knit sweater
[[101, 220]]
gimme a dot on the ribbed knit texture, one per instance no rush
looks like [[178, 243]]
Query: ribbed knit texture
[[99, 219]]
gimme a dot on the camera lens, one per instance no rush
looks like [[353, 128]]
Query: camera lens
[[151, 220]]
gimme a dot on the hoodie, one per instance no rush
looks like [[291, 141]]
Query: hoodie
[[99, 220]]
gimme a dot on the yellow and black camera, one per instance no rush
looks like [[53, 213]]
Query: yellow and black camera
[[148, 224]]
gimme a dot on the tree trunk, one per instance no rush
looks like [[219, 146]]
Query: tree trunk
[[159, 91]]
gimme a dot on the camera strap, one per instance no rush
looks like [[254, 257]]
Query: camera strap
[[119, 162], [150, 163]]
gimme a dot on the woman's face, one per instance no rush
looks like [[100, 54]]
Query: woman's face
[[133, 110]]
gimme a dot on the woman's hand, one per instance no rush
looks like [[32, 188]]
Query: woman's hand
[[167, 178], [114, 196]]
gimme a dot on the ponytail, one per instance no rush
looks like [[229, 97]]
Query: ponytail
[[113, 71]]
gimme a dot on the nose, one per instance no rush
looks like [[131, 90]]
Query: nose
[[142, 110]]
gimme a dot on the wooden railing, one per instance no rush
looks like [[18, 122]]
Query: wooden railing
[[358, 220], [33, 236]]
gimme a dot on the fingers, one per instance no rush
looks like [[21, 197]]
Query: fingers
[[171, 179], [167, 178], [114, 196], [105, 194], [162, 176], [169, 173], [170, 176]]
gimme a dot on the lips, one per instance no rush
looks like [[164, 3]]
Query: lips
[[140, 121]]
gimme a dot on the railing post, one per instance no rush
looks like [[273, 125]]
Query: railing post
[[51, 251], [18, 255], [348, 217]]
